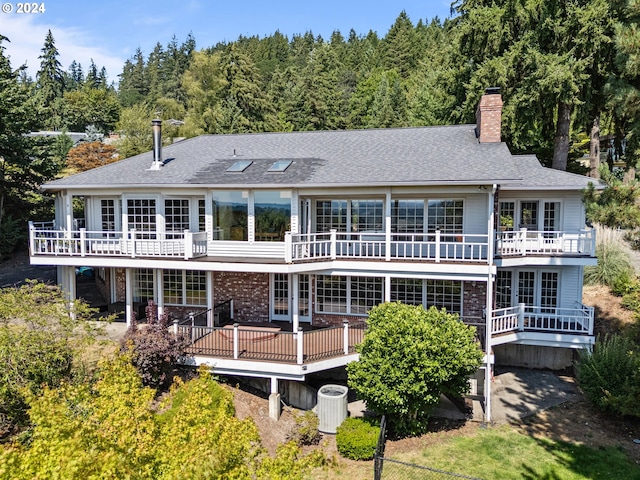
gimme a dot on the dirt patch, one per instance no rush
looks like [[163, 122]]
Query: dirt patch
[[610, 315], [581, 424]]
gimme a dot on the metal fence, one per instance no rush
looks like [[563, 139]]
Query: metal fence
[[389, 469]]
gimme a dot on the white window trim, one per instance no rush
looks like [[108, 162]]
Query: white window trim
[[184, 289]]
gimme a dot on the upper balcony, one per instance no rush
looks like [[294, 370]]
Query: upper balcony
[[525, 242], [436, 247]]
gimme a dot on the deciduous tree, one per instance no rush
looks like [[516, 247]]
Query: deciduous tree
[[409, 356]]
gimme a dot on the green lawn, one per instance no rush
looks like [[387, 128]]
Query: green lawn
[[496, 453], [505, 453]]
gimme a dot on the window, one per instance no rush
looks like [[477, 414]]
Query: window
[[280, 295], [141, 216], [350, 295], [303, 295], [503, 289], [366, 292], [551, 216], [549, 291], [176, 213], [529, 215], [507, 214], [407, 216], [331, 215], [406, 290], [143, 283], [445, 294], [445, 215], [273, 215], [108, 215], [527, 288], [185, 287], [230, 213], [331, 294], [201, 216], [367, 216]]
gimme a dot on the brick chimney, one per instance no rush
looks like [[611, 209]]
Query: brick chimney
[[489, 116]]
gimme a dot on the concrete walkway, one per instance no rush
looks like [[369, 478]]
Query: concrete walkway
[[520, 392]]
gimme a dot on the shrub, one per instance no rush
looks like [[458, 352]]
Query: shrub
[[613, 267], [610, 375], [356, 438], [305, 431], [154, 349], [408, 358], [39, 342]]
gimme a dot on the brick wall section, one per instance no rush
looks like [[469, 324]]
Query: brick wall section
[[489, 118], [474, 296], [249, 291]]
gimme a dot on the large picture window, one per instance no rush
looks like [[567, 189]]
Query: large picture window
[[230, 213], [273, 215], [185, 287]]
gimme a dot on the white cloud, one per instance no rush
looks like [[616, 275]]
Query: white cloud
[[27, 39]]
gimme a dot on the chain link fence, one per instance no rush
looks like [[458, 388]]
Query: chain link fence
[[389, 469]]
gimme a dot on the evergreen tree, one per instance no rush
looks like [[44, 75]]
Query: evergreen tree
[[245, 105], [400, 46], [24, 161], [623, 88], [543, 54], [50, 83]]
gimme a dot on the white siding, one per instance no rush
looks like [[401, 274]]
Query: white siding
[[475, 214], [570, 284]]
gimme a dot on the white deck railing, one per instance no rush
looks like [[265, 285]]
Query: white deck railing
[[522, 318], [84, 243], [435, 246], [531, 242]]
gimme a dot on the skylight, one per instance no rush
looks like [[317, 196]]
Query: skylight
[[280, 166], [239, 166]]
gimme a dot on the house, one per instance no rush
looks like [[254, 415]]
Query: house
[[270, 248]]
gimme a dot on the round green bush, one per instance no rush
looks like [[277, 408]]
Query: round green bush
[[356, 438]]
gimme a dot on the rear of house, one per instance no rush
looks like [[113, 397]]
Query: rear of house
[[271, 248]]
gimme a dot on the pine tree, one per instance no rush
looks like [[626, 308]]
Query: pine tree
[[50, 83], [24, 161]]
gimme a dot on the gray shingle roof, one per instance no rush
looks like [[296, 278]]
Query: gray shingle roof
[[411, 156]]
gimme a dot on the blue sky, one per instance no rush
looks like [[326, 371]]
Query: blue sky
[[109, 32]]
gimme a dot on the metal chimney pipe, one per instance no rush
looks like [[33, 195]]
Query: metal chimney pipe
[[156, 126]]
